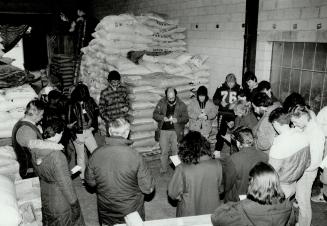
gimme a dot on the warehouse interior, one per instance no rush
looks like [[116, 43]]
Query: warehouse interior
[[280, 41]]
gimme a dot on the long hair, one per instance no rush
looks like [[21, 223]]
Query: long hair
[[264, 187], [192, 147], [80, 93]]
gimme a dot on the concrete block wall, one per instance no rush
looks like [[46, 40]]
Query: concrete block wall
[[288, 20], [214, 28]]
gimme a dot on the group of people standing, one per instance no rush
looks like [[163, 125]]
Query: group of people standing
[[274, 151]]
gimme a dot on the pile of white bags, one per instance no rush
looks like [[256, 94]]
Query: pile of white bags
[[164, 64], [8, 164], [1, 48], [9, 212], [13, 102]]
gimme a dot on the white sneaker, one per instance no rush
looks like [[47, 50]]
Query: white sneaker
[[318, 198]]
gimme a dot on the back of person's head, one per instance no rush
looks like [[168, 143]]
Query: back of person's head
[[114, 75], [244, 136], [264, 186], [299, 110], [120, 127], [53, 126], [262, 100], [34, 107], [192, 147], [241, 107], [292, 100], [202, 91], [279, 115], [249, 75], [264, 85], [80, 93], [54, 95]]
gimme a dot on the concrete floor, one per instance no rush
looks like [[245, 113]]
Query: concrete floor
[[159, 208]]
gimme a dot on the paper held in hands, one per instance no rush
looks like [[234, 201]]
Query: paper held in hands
[[75, 169], [227, 137], [175, 160]]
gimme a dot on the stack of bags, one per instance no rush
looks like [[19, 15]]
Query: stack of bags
[[1, 48], [13, 102], [11, 76], [63, 67], [9, 166], [161, 62]]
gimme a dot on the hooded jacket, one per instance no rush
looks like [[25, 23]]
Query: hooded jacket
[[250, 213], [204, 126], [120, 176]]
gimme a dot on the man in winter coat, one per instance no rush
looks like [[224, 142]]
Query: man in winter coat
[[113, 102], [239, 164], [263, 132], [120, 176], [171, 115], [223, 98], [290, 152]]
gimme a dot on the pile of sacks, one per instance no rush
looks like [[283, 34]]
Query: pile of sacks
[[150, 52], [1, 48], [9, 166], [13, 102]]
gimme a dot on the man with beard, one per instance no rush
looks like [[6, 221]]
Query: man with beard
[[264, 132], [113, 102], [171, 115]]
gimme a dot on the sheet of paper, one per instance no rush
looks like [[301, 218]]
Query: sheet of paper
[[76, 169], [175, 159], [227, 137]]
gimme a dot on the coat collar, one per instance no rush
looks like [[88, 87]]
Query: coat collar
[[116, 140]]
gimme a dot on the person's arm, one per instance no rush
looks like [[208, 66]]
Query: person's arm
[[24, 135], [90, 175], [158, 114], [103, 107], [191, 111], [63, 179], [212, 111], [176, 184], [182, 117], [217, 97], [265, 136], [144, 177], [230, 174]]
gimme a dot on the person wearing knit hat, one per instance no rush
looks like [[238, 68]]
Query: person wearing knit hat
[[113, 102], [202, 112]]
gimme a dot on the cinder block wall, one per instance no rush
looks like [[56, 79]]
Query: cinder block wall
[[288, 20], [214, 28]]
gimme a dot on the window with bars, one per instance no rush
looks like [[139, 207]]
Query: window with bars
[[300, 67]]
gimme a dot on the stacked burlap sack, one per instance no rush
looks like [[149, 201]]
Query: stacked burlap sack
[[13, 102], [161, 62], [8, 164], [1, 48]]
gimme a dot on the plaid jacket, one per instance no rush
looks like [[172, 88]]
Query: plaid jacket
[[112, 102]]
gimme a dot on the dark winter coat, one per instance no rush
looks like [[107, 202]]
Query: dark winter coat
[[57, 192], [75, 113], [236, 171], [196, 186], [120, 176], [250, 213], [180, 114]]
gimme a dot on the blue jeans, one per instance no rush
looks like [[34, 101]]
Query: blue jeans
[[167, 142], [303, 197]]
